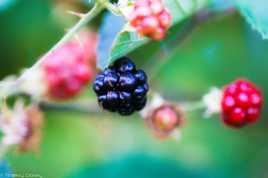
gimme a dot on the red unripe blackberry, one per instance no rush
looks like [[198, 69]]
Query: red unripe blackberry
[[241, 103], [70, 67], [164, 120], [150, 18]]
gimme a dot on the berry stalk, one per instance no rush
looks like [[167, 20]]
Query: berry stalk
[[13, 86], [98, 7]]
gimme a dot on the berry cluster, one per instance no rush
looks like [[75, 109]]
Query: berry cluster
[[150, 18], [241, 103], [164, 120], [121, 88], [70, 67]]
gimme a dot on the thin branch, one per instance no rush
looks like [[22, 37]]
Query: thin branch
[[10, 88], [90, 106], [80, 24], [179, 5], [86, 107], [191, 106]]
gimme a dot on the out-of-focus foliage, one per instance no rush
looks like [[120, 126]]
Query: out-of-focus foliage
[[182, 67], [126, 41], [142, 166], [28, 29], [5, 4], [220, 5], [255, 13]]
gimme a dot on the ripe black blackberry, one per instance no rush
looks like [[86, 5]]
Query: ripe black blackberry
[[121, 88]]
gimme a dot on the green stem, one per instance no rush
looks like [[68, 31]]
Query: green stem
[[88, 107], [11, 88], [192, 106], [82, 23], [178, 4], [98, 7]]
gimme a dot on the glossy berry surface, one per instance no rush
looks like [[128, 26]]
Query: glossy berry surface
[[121, 87], [241, 104], [70, 67], [150, 18]]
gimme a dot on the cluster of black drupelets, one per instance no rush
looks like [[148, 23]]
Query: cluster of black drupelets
[[121, 87]]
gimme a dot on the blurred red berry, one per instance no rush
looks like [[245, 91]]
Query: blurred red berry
[[88, 42], [150, 18], [70, 67], [241, 103], [164, 120]]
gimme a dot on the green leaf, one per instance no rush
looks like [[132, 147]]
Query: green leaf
[[255, 12], [181, 9], [5, 4], [125, 41]]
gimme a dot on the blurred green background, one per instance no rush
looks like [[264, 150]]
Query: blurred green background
[[214, 53]]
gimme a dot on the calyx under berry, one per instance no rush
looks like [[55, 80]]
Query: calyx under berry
[[121, 87]]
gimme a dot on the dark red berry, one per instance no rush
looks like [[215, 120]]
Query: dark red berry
[[252, 114], [241, 103]]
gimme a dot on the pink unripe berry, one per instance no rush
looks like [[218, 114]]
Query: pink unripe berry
[[150, 18], [164, 120], [70, 67]]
